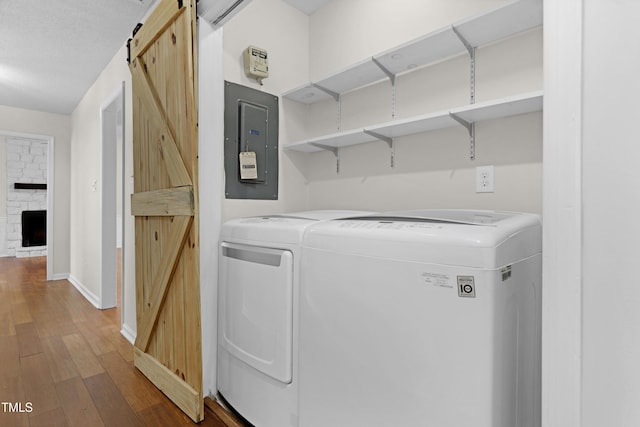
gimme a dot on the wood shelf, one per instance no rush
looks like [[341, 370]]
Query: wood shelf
[[513, 18], [489, 110]]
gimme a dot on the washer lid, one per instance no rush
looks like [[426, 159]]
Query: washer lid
[[479, 239], [455, 216]]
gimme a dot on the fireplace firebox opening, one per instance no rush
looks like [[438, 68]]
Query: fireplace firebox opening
[[34, 228]]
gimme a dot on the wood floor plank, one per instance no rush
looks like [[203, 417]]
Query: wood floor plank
[[161, 415], [61, 364], [123, 347], [86, 362], [54, 323], [14, 419], [226, 417], [53, 418], [17, 296], [12, 390], [38, 385], [139, 392], [77, 403], [7, 326], [97, 337], [28, 339], [113, 408], [21, 313], [9, 357]]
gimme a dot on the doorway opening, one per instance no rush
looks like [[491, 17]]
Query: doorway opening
[[33, 191], [112, 202]]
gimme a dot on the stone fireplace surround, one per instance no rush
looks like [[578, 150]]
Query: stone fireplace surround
[[26, 164]]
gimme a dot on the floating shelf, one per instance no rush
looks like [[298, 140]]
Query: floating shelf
[[443, 43], [489, 110]]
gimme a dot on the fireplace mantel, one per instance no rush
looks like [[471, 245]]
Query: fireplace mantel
[[29, 186]]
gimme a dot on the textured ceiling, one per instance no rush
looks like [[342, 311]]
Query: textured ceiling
[[51, 51]]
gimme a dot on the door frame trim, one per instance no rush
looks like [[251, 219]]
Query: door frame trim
[[108, 175]]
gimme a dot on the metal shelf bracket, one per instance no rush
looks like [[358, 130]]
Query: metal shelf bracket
[[472, 62], [386, 139], [334, 95], [392, 78], [334, 150], [471, 127]]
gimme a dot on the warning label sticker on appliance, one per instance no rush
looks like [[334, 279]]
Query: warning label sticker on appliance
[[466, 287], [437, 279]]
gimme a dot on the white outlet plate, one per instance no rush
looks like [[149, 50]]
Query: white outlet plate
[[485, 179]]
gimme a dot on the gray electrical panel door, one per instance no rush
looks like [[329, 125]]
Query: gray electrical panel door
[[250, 143]]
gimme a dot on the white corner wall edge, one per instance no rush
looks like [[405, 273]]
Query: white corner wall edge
[[563, 246], [90, 296]]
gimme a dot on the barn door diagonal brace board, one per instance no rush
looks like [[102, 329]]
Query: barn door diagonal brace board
[[161, 280], [178, 173]]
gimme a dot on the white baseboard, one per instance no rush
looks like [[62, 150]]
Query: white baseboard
[[128, 333], [93, 299], [61, 276]]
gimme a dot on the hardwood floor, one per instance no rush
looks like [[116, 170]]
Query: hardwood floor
[[64, 363]]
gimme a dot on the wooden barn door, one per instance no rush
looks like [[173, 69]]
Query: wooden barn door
[[162, 60]]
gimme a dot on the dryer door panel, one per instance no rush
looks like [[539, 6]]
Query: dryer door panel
[[256, 307]]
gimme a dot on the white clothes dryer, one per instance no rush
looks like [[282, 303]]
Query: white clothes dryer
[[257, 311], [421, 318]]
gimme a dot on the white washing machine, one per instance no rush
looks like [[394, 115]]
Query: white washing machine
[[257, 308], [421, 318]]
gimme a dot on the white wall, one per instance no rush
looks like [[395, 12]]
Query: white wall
[[86, 185], [432, 170], [611, 202], [59, 127], [283, 32], [345, 32]]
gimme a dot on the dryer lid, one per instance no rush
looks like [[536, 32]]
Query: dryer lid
[[285, 228]]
